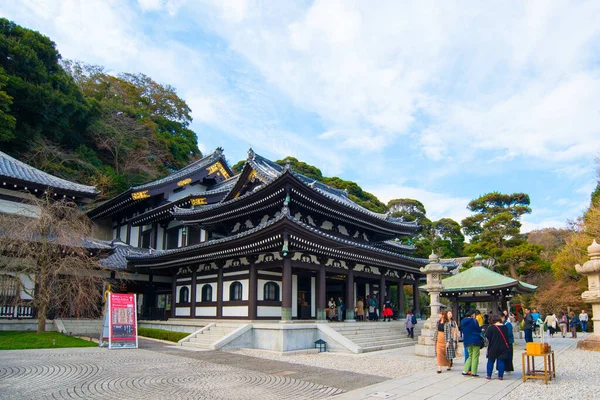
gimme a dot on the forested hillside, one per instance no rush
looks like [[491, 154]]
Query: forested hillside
[[84, 123]]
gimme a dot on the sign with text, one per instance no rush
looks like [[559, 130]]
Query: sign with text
[[122, 331]]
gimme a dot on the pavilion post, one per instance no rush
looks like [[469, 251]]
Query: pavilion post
[[286, 281], [433, 270], [401, 306], [252, 309], [350, 293], [321, 294]]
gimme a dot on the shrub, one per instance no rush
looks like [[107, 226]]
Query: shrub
[[162, 334]]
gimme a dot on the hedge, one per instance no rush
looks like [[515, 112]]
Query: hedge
[[162, 334]]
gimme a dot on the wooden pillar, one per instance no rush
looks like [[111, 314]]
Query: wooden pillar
[[286, 282], [401, 306], [322, 294], [381, 290], [220, 290], [193, 293], [252, 291], [417, 310], [154, 235], [350, 292], [174, 294]]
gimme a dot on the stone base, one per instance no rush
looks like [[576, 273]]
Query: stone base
[[286, 314], [592, 343], [424, 350], [321, 315], [350, 315]]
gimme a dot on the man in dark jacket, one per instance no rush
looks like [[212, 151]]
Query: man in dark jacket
[[472, 340], [528, 326]]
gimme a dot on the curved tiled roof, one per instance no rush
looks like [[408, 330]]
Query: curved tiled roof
[[479, 278], [118, 258], [12, 168]]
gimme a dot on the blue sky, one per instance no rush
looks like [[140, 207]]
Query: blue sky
[[438, 101]]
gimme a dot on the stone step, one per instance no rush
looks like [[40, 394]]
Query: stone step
[[385, 342], [386, 347], [196, 345], [360, 340]]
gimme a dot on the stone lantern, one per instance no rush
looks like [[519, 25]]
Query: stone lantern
[[591, 268], [434, 287]]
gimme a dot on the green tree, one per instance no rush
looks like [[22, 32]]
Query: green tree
[[496, 225], [7, 121], [45, 100]]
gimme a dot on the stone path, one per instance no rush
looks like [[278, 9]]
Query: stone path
[[161, 371], [451, 385]]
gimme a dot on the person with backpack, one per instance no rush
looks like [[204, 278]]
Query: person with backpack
[[471, 339], [410, 323], [498, 347], [372, 304]]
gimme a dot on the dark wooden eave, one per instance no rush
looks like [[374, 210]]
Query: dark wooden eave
[[269, 237]]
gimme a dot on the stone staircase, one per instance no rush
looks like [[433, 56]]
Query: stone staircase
[[375, 336], [209, 335]]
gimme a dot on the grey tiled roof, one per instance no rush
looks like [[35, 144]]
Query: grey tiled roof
[[117, 259], [193, 167], [13, 168]]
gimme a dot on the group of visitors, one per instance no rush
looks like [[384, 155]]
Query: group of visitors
[[367, 306], [498, 337], [533, 324]]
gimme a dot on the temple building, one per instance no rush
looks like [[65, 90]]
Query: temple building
[[268, 243]]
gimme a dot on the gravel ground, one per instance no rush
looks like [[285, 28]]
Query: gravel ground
[[391, 363], [577, 376]]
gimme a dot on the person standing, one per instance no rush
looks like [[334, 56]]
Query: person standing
[[528, 326], [583, 318], [479, 318], [563, 323], [536, 318], [387, 310], [442, 341], [372, 304], [550, 324], [472, 340], [508, 363], [453, 328], [360, 309], [331, 313], [573, 322], [410, 322], [340, 309], [497, 350]]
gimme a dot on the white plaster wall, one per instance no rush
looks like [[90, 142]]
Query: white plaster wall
[[114, 235], [182, 311], [202, 235], [28, 286], [12, 207], [180, 237], [313, 297], [245, 287], [199, 291], [207, 276], [238, 311], [179, 288], [294, 295], [124, 232], [159, 238], [268, 311], [235, 273], [206, 311], [134, 236], [261, 289], [270, 273]]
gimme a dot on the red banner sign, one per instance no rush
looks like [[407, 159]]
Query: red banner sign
[[123, 321]]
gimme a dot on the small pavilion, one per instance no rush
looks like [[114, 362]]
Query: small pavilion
[[482, 285]]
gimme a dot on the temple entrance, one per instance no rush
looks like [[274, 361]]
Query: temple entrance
[[304, 296]]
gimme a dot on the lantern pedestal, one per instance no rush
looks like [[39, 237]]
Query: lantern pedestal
[[591, 268]]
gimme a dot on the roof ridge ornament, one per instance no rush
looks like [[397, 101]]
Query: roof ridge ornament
[[251, 154], [219, 151], [287, 165]]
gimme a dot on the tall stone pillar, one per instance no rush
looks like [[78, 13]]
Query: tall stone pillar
[[434, 287], [286, 281], [350, 293], [591, 268], [322, 294]]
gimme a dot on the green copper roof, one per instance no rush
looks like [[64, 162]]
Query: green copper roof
[[479, 278]]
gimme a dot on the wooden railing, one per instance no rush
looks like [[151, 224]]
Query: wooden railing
[[17, 311]]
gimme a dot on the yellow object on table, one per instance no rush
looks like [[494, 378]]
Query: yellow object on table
[[528, 363]]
